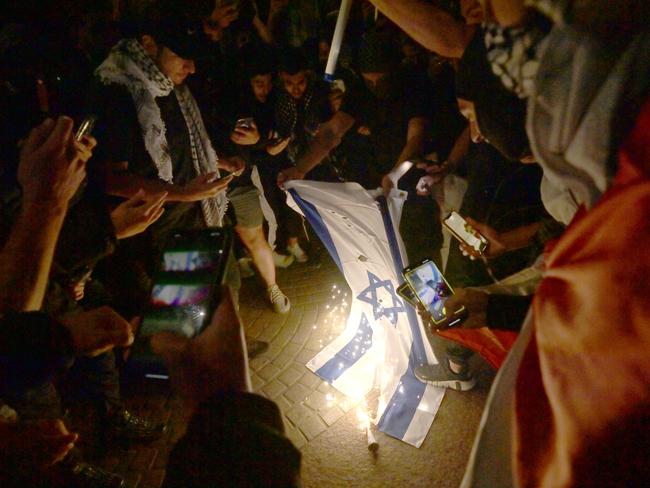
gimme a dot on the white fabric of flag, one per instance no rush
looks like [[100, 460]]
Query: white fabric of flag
[[384, 339]]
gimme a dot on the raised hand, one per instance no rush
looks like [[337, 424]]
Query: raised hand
[[137, 213], [52, 163]]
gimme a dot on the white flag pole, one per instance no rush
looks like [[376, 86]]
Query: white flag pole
[[337, 40]]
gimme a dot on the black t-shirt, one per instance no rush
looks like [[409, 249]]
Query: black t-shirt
[[499, 113], [120, 139], [412, 96]]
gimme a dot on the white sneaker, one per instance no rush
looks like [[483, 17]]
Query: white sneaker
[[296, 251], [245, 268], [278, 299], [283, 260]]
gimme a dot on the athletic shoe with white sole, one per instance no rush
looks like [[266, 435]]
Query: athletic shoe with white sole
[[278, 299], [442, 376]]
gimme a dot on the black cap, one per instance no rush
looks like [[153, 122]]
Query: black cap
[[182, 36]]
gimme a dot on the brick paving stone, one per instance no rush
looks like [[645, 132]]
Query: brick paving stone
[[310, 380], [269, 333], [297, 393], [311, 425], [290, 376], [254, 330], [325, 387], [305, 356], [296, 437], [257, 382], [284, 404], [316, 401], [273, 389], [291, 349], [286, 334], [282, 360], [268, 372], [301, 335], [297, 413], [259, 362], [331, 415]]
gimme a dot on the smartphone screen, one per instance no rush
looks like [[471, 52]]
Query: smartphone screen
[[186, 291], [194, 260], [431, 289], [465, 233]]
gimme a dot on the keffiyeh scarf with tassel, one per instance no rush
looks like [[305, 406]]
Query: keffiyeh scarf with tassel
[[129, 65]]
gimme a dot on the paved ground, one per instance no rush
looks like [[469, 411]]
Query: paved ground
[[321, 422]]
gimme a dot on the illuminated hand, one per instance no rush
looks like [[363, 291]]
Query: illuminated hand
[[278, 147], [495, 246], [234, 165], [245, 136]]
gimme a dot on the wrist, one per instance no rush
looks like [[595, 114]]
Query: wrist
[[49, 207]]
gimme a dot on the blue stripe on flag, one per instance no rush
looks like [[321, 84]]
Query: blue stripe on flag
[[402, 406], [349, 354], [311, 214]]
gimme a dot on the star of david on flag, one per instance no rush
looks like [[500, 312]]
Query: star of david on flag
[[384, 340], [373, 296]]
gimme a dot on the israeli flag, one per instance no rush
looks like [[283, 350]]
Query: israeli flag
[[384, 339]]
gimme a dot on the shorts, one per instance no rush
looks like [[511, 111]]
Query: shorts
[[245, 201]]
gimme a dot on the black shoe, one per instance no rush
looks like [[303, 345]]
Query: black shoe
[[125, 426], [439, 375], [255, 348], [84, 475]]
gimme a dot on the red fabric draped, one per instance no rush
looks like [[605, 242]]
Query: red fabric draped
[[583, 389], [492, 345]]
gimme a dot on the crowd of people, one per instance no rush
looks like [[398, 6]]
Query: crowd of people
[[530, 118]]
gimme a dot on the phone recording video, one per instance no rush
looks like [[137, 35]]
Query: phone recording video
[[465, 233], [432, 291], [187, 290]]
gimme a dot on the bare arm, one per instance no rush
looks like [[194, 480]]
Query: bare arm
[[416, 139], [328, 137], [460, 149], [26, 259], [52, 166], [126, 185], [429, 25]]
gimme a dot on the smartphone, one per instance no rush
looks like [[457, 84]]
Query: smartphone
[[85, 128], [187, 290], [432, 291], [407, 293], [245, 123], [465, 233]]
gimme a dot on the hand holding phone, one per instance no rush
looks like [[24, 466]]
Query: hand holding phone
[[433, 291], [475, 243]]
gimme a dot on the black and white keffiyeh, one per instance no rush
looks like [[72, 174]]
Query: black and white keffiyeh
[[512, 53], [129, 65]]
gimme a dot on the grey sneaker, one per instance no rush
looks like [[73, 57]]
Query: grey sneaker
[[440, 375], [278, 299]]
